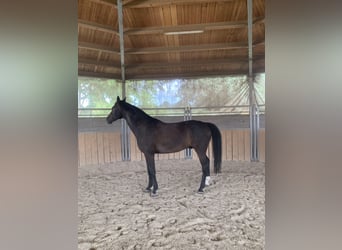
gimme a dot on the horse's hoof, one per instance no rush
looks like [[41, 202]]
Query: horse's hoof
[[154, 194], [200, 192], [147, 190]]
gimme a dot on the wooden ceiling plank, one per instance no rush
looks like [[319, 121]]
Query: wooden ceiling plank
[[93, 46], [96, 26]]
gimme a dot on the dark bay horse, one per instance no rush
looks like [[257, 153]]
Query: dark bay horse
[[154, 136]]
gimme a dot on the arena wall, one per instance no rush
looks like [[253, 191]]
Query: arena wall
[[96, 148]]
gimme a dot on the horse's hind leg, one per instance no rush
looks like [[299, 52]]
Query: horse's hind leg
[[205, 169], [152, 183]]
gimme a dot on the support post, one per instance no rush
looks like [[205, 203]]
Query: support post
[[253, 107], [125, 133], [187, 117]]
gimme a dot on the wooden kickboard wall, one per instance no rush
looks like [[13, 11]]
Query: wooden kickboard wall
[[97, 148]]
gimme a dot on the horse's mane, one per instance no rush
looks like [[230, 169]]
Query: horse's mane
[[136, 112]]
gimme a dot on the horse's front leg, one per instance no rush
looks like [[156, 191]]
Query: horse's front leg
[[152, 180]]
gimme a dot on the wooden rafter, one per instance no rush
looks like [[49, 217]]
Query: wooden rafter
[[99, 63], [163, 76], [96, 26], [155, 3], [159, 65], [99, 74], [190, 63], [106, 2], [187, 48], [189, 27], [164, 29], [97, 47], [154, 50]]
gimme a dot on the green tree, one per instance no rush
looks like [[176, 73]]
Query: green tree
[[97, 93]]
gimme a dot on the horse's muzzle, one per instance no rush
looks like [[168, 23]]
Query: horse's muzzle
[[108, 120]]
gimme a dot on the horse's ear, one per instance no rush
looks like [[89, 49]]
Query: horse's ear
[[118, 99], [124, 100]]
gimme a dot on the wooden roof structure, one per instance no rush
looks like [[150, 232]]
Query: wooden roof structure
[[168, 39]]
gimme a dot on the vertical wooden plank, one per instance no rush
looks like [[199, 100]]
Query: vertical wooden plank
[[241, 145], [247, 145], [94, 155], [100, 147], [229, 145], [177, 156], [224, 145], [235, 134], [194, 155], [133, 144], [81, 149], [106, 147], [87, 142], [112, 142], [163, 156], [171, 156], [117, 146], [138, 153], [261, 145]]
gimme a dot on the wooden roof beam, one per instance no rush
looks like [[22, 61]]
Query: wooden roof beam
[[106, 2], [97, 47], [190, 27], [187, 48], [190, 64], [99, 75], [167, 76], [157, 3], [96, 26], [166, 64], [99, 63]]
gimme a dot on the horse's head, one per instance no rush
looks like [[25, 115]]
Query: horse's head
[[115, 114]]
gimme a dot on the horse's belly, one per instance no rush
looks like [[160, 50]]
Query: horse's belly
[[170, 148]]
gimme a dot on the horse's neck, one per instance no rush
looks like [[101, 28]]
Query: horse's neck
[[136, 119]]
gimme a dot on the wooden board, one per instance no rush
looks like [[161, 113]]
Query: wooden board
[[235, 145], [229, 145], [241, 145], [100, 148], [81, 149], [247, 140], [261, 144], [105, 147]]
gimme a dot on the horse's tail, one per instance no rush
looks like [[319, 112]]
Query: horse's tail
[[217, 146]]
